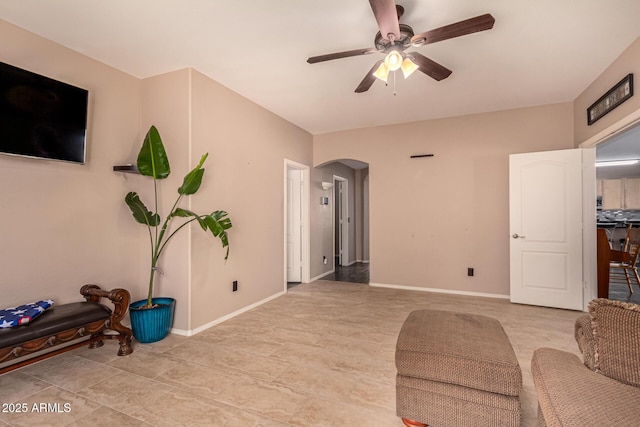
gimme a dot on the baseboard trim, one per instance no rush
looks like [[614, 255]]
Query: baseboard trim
[[223, 318], [188, 333], [440, 291], [322, 275]]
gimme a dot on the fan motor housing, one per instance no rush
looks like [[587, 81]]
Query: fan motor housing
[[406, 32]]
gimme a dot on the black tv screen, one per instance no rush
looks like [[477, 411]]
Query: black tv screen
[[41, 117]]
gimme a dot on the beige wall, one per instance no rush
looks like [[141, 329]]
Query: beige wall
[[64, 225], [244, 175], [626, 63], [431, 218]]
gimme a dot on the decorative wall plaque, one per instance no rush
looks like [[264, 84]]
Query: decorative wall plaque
[[622, 91]]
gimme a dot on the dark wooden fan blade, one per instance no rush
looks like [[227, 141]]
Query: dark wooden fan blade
[[387, 18], [338, 55], [368, 80], [429, 67], [468, 26]]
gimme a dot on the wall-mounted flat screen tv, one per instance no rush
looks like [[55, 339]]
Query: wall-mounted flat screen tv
[[41, 117]]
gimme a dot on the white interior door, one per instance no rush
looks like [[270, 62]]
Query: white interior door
[[344, 223], [545, 207], [337, 222], [341, 220], [294, 224]]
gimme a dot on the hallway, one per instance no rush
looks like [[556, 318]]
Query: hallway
[[355, 273]]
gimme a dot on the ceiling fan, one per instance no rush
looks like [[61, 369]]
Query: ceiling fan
[[394, 38]]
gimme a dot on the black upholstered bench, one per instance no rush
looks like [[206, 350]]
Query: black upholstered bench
[[65, 323]]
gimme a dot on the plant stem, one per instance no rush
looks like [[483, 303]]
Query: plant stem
[[174, 232], [150, 296], [154, 245], [153, 265], [159, 244]]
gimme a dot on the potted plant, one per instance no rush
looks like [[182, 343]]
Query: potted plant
[[151, 319]]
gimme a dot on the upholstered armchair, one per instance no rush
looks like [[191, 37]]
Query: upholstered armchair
[[603, 388]]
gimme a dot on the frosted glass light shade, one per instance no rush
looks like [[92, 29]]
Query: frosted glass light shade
[[393, 61], [382, 72], [408, 67]]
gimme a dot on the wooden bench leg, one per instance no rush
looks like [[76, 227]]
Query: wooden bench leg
[[120, 299], [125, 345], [412, 423], [97, 343]]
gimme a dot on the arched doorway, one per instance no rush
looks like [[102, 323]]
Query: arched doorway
[[344, 222]]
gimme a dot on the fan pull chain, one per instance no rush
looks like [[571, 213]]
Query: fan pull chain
[[394, 83]]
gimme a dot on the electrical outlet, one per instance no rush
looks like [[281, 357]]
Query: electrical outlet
[[324, 259], [235, 285], [470, 272]]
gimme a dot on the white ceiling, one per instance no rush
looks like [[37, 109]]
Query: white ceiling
[[539, 52]]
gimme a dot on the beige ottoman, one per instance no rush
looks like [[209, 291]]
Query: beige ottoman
[[456, 369]]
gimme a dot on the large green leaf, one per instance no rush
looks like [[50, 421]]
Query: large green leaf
[[152, 159], [184, 213], [222, 219], [140, 211], [193, 179], [218, 223]]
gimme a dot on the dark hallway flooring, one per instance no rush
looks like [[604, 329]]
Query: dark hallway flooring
[[355, 273]]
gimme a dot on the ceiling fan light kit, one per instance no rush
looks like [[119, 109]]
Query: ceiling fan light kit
[[393, 62], [399, 37], [382, 72], [408, 67]]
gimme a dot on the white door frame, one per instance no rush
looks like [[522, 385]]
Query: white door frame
[[590, 226], [344, 229], [305, 231], [294, 225]]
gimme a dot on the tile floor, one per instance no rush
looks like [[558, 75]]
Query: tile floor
[[321, 355]]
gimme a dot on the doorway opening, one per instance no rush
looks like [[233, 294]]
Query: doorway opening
[[618, 203], [344, 220], [341, 221]]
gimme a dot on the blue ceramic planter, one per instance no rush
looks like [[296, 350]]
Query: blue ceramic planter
[[151, 325]]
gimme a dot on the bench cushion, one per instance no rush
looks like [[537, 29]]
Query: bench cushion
[[54, 320], [458, 348]]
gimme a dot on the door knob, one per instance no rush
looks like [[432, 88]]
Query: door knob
[[517, 236]]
